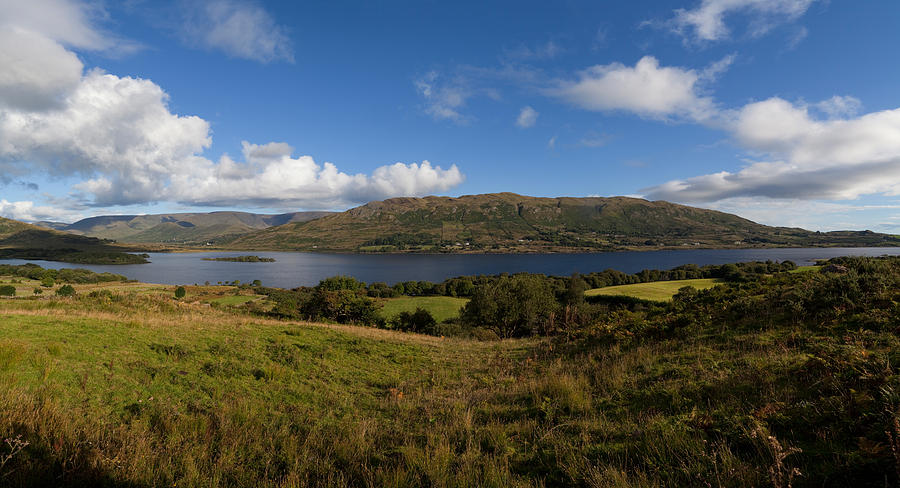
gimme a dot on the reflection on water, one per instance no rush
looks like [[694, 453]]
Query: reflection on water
[[296, 269]]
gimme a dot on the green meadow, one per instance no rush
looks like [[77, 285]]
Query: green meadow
[[654, 291], [441, 308]]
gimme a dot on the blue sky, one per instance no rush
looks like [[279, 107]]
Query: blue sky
[[782, 111]]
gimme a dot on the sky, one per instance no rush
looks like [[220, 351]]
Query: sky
[[786, 112]]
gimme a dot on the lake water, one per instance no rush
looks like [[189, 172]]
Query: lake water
[[293, 269]]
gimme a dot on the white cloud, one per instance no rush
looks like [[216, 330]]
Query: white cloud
[[271, 177], [239, 29], [806, 157], [645, 89], [806, 214], [27, 211], [37, 71], [66, 21], [527, 117], [706, 22], [840, 106], [552, 142], [119, 136], [443, 99]]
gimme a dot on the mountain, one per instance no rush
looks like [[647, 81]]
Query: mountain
[[179, 228], [507, 222], [24, 241]]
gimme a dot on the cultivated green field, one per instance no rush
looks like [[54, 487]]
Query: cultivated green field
[[441, 308], [657, 291]]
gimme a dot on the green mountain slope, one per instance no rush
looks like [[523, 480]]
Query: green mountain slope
[[25, 241], [507, 222], [179, 228]]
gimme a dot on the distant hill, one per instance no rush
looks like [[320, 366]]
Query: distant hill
[[25, 241], [507, 222], [179, 228]]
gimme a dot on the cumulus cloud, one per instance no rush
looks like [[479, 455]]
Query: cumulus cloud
[[118, 135], [806, 157], [706, 22], [647, 89], [239, 29], [270, 176], [527, 117], [28, 211], [69, 22]]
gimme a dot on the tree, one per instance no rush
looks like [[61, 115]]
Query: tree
[[512, 306], [180, 292], [65, 291], [7, 291], [419, 321]]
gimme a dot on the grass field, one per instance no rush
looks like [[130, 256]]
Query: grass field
[[234, 300], [657, 291], [137, 389], [441, 308]]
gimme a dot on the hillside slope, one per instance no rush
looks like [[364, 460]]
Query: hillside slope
[[507, 222], [179, 228], [24, 241]]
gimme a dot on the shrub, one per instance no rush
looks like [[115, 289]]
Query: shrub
[[38, 290], [418, 321], [180, 292], [7, 291], [65, 291], [48, 282]]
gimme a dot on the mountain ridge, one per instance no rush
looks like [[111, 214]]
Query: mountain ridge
[[509, 222]]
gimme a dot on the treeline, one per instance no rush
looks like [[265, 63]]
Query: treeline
[[464, 286], [75, 256], [77, 275], [517, 305]]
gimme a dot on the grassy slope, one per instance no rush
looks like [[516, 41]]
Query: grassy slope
[[441, 308], [510, 222], [146, 391], [656, 291]]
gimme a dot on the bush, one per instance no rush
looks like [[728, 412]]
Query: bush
[[7, 291], [419, 321], [65, 291], [180, 292], [48, 282], [38, 290]]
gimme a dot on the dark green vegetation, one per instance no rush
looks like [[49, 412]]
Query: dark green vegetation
[[49, 277], [243, 259], [772, 379], [182, 228], [507, 222], [23, 241]]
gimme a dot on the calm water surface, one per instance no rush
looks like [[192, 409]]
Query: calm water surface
[[293, 269]]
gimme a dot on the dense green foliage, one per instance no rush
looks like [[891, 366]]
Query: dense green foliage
[[180, 292], [7, 291], [65, 291], [49, 277]]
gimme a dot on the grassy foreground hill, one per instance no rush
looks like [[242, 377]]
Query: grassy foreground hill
[[790, 380], [179, 228], [507, 222], [25, 241]]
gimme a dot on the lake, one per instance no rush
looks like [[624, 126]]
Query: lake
[[293, 269]]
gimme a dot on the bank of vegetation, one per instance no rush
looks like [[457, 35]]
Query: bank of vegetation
[[242, 259], [769, 378]]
